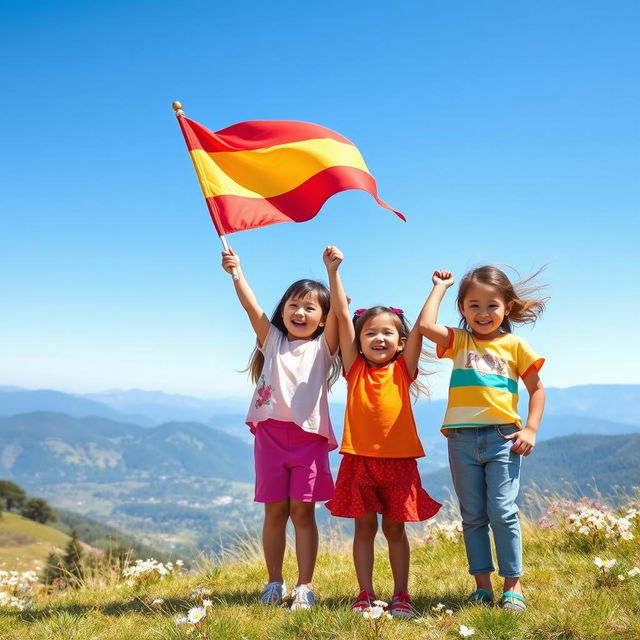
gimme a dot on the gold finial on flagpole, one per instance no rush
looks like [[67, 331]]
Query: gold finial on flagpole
[[177, 107]]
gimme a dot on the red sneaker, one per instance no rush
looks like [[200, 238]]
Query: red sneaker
[[401, 605], [363, 601]]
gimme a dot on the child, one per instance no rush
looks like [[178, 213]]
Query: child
[[293, 366], [486, 438], [378, 473]]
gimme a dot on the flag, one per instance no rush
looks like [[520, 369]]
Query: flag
[[262, 172]]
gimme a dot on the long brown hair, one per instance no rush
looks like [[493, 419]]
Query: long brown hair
[[417, 388], [298, 289], [525, 296]]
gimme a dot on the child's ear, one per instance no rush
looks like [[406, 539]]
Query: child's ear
[[507, 309], [401, 344], [323, 321]]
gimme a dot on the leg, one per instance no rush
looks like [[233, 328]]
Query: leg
[[276, 515], [366, 527], [503, 483], [396, 537], [303, 516], [468, 473]]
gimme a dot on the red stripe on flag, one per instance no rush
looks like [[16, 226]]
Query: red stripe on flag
[[256, 134], [237, 213]]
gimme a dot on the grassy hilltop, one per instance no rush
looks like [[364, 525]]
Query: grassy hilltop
[[568, 595]]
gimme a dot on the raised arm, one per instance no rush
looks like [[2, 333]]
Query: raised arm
[[258, 318], [340, 308], [428, 321]]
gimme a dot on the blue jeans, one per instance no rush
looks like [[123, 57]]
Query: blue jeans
[[486, 477]]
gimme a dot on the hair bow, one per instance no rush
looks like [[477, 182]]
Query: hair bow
[[358, 312]]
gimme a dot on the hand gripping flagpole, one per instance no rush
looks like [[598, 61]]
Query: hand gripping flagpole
[[177, 107]]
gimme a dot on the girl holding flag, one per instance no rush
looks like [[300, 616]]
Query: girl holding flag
[[293, 365]]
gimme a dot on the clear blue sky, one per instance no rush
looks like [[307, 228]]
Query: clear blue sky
[[506, 132]]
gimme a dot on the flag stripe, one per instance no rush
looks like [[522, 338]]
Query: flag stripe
[[232, 213], [255, 134], [266, 173]]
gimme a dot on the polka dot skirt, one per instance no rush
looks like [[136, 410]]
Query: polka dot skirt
[[390, 486]]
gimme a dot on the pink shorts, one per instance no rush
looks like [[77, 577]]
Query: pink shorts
[[291, 463]]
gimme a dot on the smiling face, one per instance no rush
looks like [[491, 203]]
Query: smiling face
[[302, 316], [484, 309], [380, 339]]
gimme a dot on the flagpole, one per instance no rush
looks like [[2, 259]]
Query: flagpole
[[177, 107]]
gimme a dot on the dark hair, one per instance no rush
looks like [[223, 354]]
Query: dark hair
[[525, 295], [404, 328], [298, 289]]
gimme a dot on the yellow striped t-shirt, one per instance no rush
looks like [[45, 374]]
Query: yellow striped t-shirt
[[484, 382]]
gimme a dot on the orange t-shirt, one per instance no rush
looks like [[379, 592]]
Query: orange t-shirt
[[378, 420]]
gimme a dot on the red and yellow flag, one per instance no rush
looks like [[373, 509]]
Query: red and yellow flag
[[261, 172]]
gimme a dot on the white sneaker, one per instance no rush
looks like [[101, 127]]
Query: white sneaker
[[273, 593], [303, 598]]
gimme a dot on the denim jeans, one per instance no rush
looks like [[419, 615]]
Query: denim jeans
[[486, 477]]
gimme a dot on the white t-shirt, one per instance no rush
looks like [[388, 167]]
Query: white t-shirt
[[293, 384]]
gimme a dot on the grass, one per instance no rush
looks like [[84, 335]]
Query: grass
[[25, 544], [567, 596]]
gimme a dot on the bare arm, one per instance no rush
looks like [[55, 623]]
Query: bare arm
[[258, 318], [413, 346], [428, 320], [525, 440], [340, 307]]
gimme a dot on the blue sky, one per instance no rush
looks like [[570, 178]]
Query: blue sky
[[506, 132]]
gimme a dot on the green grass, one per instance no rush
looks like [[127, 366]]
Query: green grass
[[566, 596], [25, 544]]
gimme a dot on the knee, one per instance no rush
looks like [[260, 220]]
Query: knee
[[502, 513], [276, 514], [393, 531], [366, 530], [303, 514]]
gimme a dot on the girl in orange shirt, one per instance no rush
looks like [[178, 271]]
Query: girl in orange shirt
[[380, 444]]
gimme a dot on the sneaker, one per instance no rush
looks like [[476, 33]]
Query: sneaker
[[363, 601], [401, 605], [273, 593], [303, 598]]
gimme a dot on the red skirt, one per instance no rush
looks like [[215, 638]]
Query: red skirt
[[390, 486]]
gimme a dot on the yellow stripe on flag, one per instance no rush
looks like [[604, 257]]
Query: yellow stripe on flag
[[268, 172]]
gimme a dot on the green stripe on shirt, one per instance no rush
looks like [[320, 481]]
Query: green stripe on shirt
[[473, 378]]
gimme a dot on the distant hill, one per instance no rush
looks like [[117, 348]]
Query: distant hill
[[605, 409], [53, 447], [14, 401], [588, 465], [167, 407]]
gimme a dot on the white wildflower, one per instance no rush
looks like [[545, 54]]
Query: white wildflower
[[621, 577], [633, 572], [465, 631], [195, 614], [380, 603], [207, 603]]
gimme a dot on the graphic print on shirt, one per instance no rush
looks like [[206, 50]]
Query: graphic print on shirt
[[486, 364], [264, 393]]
